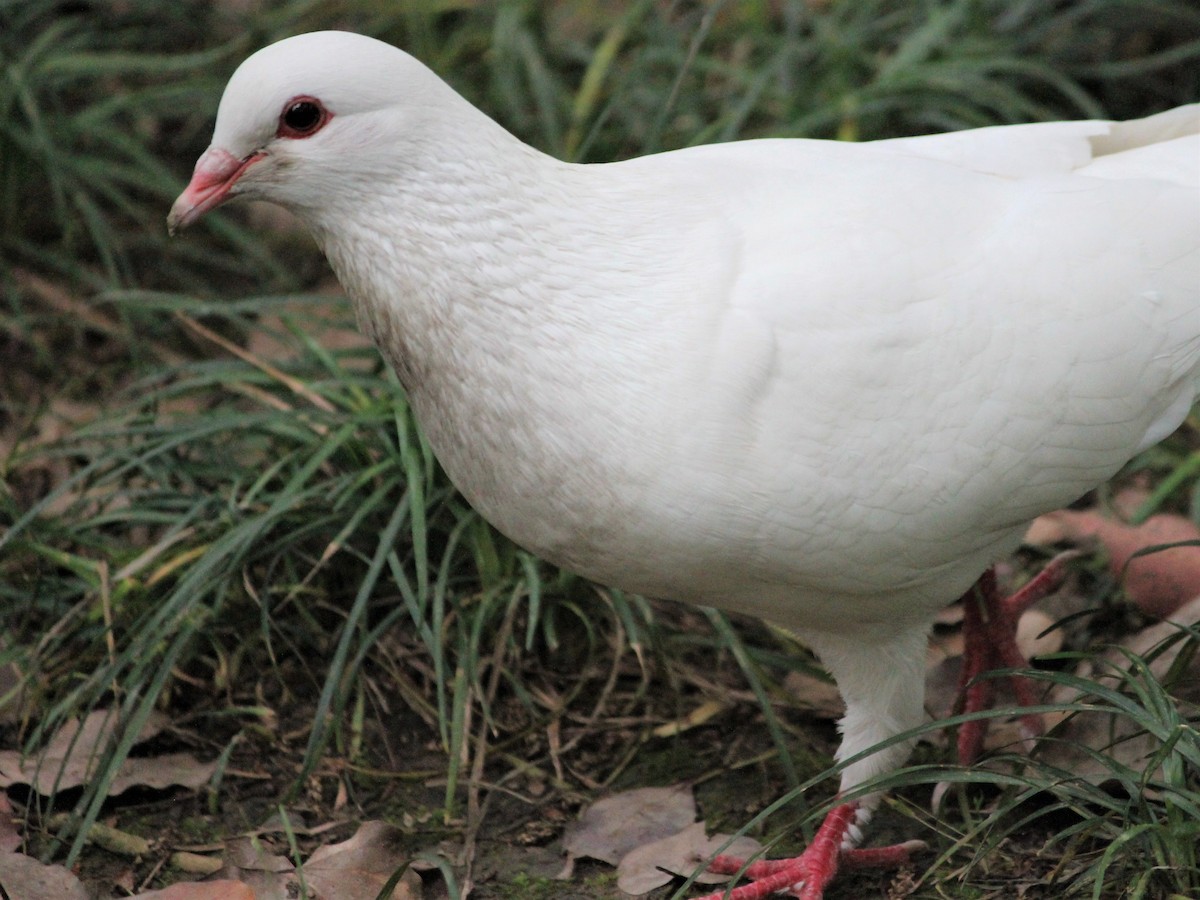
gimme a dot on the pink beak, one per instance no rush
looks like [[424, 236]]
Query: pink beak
[[216, 172]]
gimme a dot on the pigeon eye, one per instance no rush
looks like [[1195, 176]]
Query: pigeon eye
[[302, 117]]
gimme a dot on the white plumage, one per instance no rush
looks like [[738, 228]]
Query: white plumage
[[822, 383]]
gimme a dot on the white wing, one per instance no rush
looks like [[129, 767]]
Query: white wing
[[916, 346]]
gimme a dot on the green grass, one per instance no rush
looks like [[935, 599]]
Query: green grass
[[230, 534], [1129, 830]]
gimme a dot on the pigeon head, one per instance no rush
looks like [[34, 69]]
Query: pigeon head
[[307, 117]]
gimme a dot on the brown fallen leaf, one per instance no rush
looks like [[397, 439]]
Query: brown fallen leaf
[[1119, 737], [358, 868], [1160, 582], [355, 869], [271, 876], [202, 890], [652, 865], [818, 696], [10, 835], [24, 878], [612, 827], [195, 863], [70, 755], [1036, 634]]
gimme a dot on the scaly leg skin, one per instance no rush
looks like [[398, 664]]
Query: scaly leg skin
[[880, 672], [990, 637], [806, 875]]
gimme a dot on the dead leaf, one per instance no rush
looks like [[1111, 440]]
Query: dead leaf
[[949, 615], [202, 890], [24, 878], [195, 863], [355, 869], [815, 695], [10, 835], [652, 865], [160, 772], [1159, 583], [358, 868], [1187, 616], [272, 877], [612, 827], [71, 754], [1117, 736], [1036, 634]]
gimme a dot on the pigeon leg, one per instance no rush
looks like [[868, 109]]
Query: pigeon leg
[[990, 637], [806, 875]]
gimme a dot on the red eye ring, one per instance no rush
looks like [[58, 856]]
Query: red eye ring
[[302, 117]]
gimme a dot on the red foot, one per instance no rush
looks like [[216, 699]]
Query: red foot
[[991, 643], [807, 875]]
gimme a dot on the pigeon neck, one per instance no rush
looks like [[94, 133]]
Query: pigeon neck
[[451, 246]]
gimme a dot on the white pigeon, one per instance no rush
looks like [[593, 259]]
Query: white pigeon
[[823, 383]]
